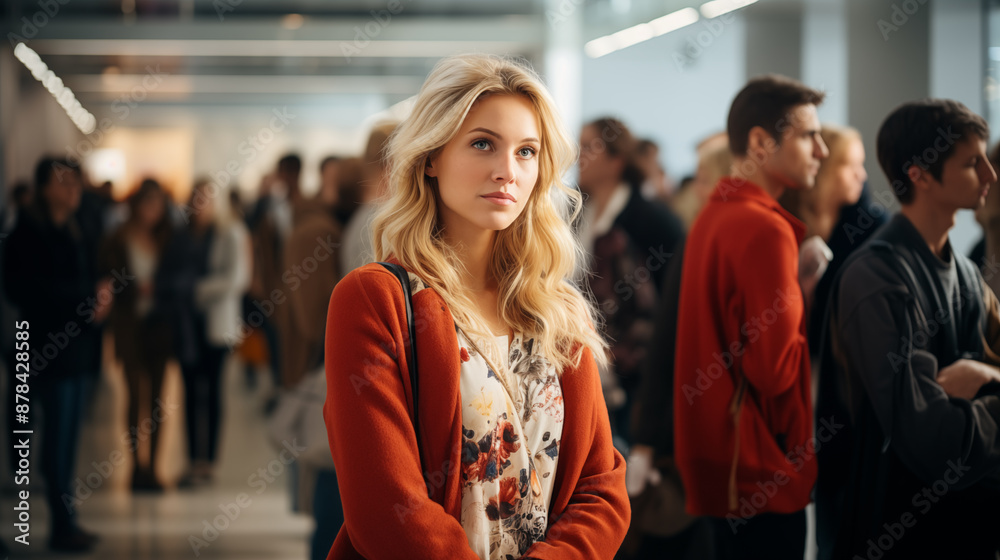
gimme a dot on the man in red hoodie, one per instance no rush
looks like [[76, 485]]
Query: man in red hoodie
[[742, 407]]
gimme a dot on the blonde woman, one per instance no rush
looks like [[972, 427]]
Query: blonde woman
[[714, 162], [839, 183], [515, 457]]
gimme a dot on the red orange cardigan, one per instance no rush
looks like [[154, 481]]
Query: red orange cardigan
[[387, 510], [743, 318]]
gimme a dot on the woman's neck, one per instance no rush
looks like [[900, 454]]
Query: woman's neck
[[821, 219], [821, 211], [60, 216], [474, 248]]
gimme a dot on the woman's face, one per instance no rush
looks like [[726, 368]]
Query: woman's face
[[205, 206], [150, 210], [848, 173], [486, 173]]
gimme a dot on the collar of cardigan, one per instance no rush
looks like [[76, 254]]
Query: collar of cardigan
[[731, 189]]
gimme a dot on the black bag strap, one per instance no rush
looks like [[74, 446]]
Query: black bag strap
[[411, 346]]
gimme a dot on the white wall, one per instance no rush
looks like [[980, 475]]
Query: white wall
[[671, 89], [33, 123], [957, 62], [824, 57]]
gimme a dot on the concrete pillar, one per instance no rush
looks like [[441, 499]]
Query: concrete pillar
[[888, 64], [773, 42]]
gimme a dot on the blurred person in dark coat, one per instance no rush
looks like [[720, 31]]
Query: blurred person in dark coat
[[630, 240], [50, 275], [271, 222]]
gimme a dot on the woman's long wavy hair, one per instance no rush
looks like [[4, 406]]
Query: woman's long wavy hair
[[535, 259]]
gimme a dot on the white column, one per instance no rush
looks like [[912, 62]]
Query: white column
[[562, 59]]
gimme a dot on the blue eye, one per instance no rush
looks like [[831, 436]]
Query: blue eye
[[526, 152], [481, 144]]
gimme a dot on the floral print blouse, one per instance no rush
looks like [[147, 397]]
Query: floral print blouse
[[510, 446]]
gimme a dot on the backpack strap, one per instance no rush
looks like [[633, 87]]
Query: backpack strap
[[411, 347]]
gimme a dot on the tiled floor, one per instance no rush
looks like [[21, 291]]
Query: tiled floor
[[145, 526]]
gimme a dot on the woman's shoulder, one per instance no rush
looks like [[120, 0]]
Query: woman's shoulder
[[376, 284], [372, 275], [372, 282], [583, 376]]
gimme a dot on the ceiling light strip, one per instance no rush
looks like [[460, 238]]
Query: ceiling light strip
[[81, 117], [639, 33]]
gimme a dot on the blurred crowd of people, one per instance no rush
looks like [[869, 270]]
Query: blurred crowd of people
[[204, 279], [191, 281]]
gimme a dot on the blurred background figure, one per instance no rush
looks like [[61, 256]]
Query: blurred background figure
[[50, 273], [357, 247], [312, 253], [350, 186], [218, 266], [714, 161], [839, 184], [20, 199], [630, 239], [987, 249], [286, 110], [661, 527], [271, 223], [143, 318], [657, 185]]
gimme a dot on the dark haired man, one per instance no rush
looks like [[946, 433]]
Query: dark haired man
[[742, 410], [50, 275], [914, 472]]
